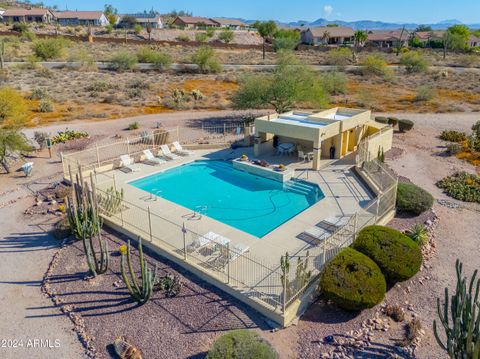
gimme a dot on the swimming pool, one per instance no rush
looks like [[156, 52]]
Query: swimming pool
[[252, 204]]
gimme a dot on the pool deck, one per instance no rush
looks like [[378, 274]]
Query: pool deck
[[344, 193]]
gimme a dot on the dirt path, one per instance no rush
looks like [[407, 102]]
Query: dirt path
[[27, 315]]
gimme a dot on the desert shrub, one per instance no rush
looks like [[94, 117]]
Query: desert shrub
[[476, 128], [137, 29], [418, 233], [226, 36], [424, 93], [353, 281], [86, 60], [381, 119], [453, 149], [453, 136], [395, 312], [20, 27], [405, 125], [414, 62], [375, 65], [210, 32], [334, 82], [197, 95], [183, 38], [470, 60], [47, 49], [68, 135], [201, 37], [134, 93], [206, 60], [241, 343], [156, 58], [61, 230], [413, 199], [39, 93], [109, 28], [134, 126], [40, 138], [462, 186], [341, 56], [45, 106], [412, 332], [99, 86], [393, 121], [398, 256], [123, 60]]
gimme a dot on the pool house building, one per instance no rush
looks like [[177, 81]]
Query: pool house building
[[330, 134]]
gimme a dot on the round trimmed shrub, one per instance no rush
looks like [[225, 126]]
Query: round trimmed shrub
[[413, 199], [381, 119], [241, 343], [393, 121], [398, 256], [405, 125], [353, 281]]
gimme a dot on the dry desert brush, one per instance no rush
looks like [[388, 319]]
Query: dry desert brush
[[459, 315]]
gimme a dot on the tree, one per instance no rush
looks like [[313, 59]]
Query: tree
[[286, 39], [266, 30], [111, 14], [360, 37], [12, 119], [149, 29], [423, 28], [289, 84], [455, 38]]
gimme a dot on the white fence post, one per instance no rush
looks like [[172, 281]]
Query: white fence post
[[150, 224]]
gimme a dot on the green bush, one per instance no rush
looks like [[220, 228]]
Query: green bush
[[206, 60], [414, 62], [183, 38], [353, 281], [413, 199], [201, 37], [241, 343], [462, 186], [134, 126], [47, 49], [453, 136], [381, 119], [156, 58], [476, 128], [375, 65], [226, 36], [405, 125], [341, 57], [398, 256], [20, 27], [123, 60], [45, 106], [334, 82], [418, 233], [393, 121], [68, 135], [39, 93]]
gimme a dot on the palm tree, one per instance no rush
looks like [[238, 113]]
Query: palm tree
[[360, 37], [325, 37]]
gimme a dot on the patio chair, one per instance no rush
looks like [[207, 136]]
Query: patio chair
[[334, 223], [318, 234], [220, 262], [180, 150], [167, 154], [202, 241], [128, 164], [151, 160], [302, 156]]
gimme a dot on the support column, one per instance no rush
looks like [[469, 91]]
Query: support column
[[317, 154], [338, 142]]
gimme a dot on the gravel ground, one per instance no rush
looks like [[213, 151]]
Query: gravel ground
[[180, 327]]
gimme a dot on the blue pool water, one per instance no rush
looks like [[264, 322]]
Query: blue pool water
[[253, 204]]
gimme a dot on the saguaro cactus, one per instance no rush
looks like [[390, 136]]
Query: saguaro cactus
[[285, 267], [96, 265], [462, 331], [142, 292]]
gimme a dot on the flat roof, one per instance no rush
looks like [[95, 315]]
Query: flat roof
[[299, 121]]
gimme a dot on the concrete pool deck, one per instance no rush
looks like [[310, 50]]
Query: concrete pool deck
[[345, 194]]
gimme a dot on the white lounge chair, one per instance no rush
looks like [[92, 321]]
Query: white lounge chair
[[317, 233], [151, 160], [203, 241], [334, 223], [128, 164], [180, 150], [237, 250], [167, 154]]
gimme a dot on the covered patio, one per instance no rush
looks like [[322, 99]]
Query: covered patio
[[326, 135]]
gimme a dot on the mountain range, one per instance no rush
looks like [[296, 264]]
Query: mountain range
[[370, 24]]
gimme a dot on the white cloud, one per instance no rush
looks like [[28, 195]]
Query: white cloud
[[328, 9]]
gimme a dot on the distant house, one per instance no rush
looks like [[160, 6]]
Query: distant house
[[28, 15], [388, 39], [2, 10], [94, 18], [427, 37], [232, 24], [473, 41], [326, 35], [145, 20], [194, 22]]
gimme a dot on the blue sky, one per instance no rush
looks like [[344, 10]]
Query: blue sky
[[419, 11]]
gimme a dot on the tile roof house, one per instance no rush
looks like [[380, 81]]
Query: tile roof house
[[473, 41], [194, 22], [28, 15], [233, 24], [327, 35], [388, 38], [156, 22], [95, 18]]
